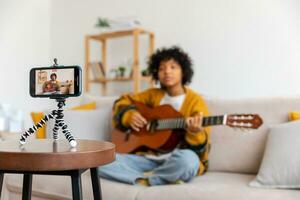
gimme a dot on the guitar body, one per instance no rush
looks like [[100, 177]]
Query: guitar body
[[164, 139]]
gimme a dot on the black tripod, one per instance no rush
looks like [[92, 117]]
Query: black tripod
[[59, 123]]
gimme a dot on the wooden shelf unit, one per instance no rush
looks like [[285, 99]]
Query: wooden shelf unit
[[102, 38]]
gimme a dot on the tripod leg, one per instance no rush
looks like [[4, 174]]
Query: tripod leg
[[68, 134], [60, 123], [35, 127], [58, 118], [56, 128]]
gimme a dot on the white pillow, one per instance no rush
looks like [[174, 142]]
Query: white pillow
[[86, 124], [280, 166]]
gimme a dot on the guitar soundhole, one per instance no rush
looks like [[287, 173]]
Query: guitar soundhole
[[173, 141]]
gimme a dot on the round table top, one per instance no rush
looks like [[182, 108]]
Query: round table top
[[50, 155]]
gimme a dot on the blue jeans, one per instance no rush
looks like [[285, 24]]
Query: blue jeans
[[183, 165]]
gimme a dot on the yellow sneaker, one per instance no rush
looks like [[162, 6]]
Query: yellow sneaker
[[179, 182], [143, 182]]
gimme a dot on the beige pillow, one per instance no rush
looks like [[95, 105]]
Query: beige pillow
[[280, 167]]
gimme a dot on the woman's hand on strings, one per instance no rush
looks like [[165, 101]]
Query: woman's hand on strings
[[137, 121]]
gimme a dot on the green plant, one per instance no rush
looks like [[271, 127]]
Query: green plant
[[102, 23], [122, 70], [145, 72]]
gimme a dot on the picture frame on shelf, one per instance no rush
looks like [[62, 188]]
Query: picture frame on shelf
[[42, 76]]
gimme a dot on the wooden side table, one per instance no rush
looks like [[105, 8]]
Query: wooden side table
[[55, 158]]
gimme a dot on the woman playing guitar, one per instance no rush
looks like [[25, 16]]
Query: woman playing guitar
[[172, 68]]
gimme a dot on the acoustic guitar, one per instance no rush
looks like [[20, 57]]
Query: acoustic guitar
[[165, 126]]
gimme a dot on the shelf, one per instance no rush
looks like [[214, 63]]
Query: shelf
[[115, 34], [136, 76], [146, 78], [104, 80]]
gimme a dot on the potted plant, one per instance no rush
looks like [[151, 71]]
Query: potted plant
[[122, 70], [145, 72], [103, 23]]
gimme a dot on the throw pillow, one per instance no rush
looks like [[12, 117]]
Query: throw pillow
[[280, 167], [294, 116], [88, 106], [37, 117]]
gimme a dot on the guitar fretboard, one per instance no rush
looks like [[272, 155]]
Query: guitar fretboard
[[179, 123]]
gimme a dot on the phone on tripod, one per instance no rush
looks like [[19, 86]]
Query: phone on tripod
[[55, 81]]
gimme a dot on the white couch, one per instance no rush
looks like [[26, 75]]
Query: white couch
[[235, 158]]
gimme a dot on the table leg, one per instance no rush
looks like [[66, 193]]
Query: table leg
[[27, 186], [96, 184], [76, 185], [1, 182]]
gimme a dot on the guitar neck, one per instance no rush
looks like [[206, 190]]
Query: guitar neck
[[214, 120], [179, 123]]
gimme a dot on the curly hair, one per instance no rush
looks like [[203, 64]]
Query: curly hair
[[175, 53], [53, 74]]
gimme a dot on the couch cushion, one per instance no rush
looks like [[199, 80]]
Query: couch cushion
[[86, 124], [9, 135], [216, 186], [211, 186], [101, 101], [38, 116], [238, 151]]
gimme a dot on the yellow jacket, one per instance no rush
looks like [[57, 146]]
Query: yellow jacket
[[193, 104]]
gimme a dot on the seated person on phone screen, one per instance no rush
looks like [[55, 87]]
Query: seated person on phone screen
[[52, 85]]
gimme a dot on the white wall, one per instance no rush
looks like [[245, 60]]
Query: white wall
[[240, 48], [24, 43]]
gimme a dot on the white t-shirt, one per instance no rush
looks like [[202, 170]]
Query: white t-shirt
[[175, 101]]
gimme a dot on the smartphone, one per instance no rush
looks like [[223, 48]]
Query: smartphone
[[55, 82]]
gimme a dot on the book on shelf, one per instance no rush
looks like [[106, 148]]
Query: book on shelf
[[102, 68], [97, 70]]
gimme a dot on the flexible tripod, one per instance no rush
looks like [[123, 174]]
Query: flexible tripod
[[59, 123]]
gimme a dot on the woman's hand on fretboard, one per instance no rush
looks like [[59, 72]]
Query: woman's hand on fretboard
[[194, 124]]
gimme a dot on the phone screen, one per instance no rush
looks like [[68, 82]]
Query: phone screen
[[49, 82]]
